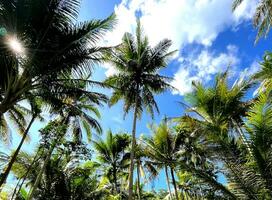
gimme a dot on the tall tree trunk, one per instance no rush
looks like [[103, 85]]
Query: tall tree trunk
[[5, 174], [19, 185], [133, 144], [115, 179], [168, 182], [174, 183], [50, 151], [138, 180], [242, 135], [39, 177]]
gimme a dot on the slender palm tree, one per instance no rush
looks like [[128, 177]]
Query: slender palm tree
[[259, 128], [52, 46], [113, 156], [196, 158], [75, 111], [137, 79], [222, 105], [262, 18], [221, 110], [75, 114], [36, 110], [163, 149]]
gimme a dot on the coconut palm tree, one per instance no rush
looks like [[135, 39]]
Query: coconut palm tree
[[44, 57], [259, 128], [50, 45], [36, 111], [75, 115], [222, 105], [262, 18], [196, 159], [221, 110], [113, 156], [162, 148], [75, 111], [137, 79], [60, 182]]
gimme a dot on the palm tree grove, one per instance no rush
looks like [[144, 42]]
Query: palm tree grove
[[135, 100]]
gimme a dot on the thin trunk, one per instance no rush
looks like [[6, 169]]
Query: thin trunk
[[242, 135], [39, 177], [115, 179], [131, 167], [168, 182], [174, 182], [50, 151], [14, 156], [138, 180], [19, 185]]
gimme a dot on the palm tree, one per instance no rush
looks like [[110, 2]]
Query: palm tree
[[262, 18], [162, 148], [137, 79], [52, 52], [221, 105], [75, 116], [36, 110], [264, 75], [60, 182], [221, 110], [196, 159], [113, 156], [259, 128], [53, 46]]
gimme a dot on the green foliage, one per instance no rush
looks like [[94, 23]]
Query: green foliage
[[137, 65], [262, 16]]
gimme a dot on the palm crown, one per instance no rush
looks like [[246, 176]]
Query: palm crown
[[137, 66]]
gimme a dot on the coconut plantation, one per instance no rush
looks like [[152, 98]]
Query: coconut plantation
[[135, 100]]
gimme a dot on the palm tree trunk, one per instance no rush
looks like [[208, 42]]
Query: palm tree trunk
[[138, 180], [50, 151], [39, 177], [14, 156], [19, 185], [174, 182], [168, 182], [242, 135], [115, 179], [133, 144]]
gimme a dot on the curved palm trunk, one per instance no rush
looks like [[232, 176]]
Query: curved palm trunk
[[133, 144], [168, 182], [39, 177], [138, 180], [174, 182], [5, 174]]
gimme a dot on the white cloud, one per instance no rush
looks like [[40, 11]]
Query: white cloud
[[252, 69], [182, 21], [201, 67]]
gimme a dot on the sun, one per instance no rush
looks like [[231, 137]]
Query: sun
[[15, 45]]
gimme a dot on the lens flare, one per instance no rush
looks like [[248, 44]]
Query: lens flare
[[15, 45]]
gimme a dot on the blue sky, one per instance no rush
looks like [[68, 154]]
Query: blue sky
[[207, 35]]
